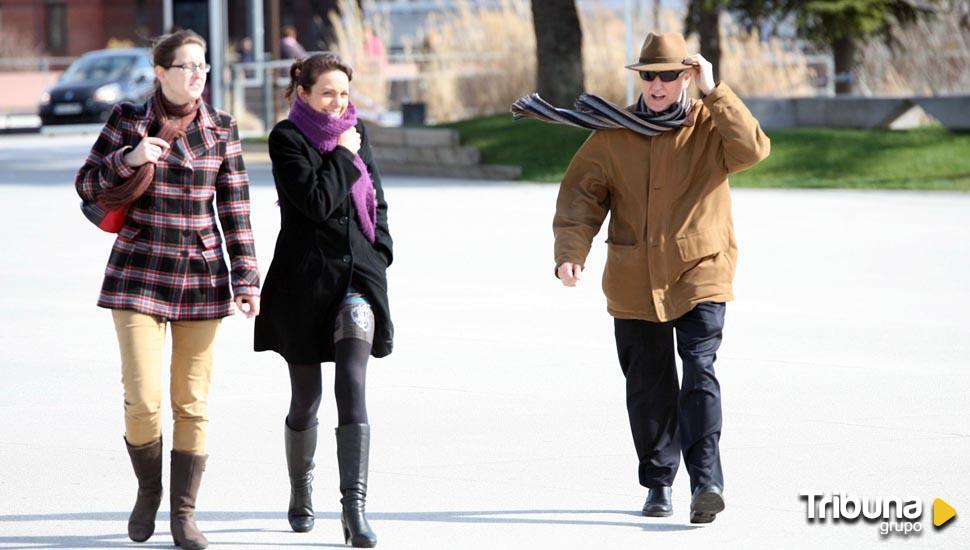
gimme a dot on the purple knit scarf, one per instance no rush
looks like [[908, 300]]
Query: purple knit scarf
[[323, 131]]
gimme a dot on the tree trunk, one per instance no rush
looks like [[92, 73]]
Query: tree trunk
[[843, 50], [709, 33], [559, 51]]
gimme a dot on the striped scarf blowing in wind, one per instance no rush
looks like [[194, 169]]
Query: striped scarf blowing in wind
[[595, 113]]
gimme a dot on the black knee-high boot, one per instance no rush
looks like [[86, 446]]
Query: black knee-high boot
[[300, 447], [353, 450]]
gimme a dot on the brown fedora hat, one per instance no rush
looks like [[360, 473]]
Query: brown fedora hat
[[662, 52]]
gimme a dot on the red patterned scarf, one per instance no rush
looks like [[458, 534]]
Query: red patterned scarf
[[172, 120]]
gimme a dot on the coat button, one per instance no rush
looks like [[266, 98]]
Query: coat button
[[344, 220], [346, 258], [185, 253], [187, 190], [186, 232]]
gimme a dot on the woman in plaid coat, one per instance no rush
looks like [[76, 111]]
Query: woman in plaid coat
[[165, 161]]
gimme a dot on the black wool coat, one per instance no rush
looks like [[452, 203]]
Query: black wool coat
[[321, 250]]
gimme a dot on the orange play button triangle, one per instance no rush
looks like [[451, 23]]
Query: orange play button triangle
[[942, 512]]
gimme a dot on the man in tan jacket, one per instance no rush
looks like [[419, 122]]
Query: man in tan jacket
[[671, 259]]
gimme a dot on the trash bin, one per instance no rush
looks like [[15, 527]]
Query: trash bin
[[413, 114]]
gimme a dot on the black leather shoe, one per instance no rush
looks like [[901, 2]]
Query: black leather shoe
[[706, 502], [658, 503]]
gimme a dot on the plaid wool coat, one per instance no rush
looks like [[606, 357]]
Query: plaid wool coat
[[167, 260]]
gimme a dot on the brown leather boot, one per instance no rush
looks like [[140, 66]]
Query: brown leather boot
[[186, 477], [147, 463]]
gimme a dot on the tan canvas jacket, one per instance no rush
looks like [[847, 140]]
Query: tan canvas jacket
[[671, 236]]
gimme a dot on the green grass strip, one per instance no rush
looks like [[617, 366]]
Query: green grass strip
[[927, 158]]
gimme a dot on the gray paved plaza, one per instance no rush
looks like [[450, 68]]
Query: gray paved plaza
[[499, 420]]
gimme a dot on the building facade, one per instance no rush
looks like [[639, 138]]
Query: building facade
[[72, 27]]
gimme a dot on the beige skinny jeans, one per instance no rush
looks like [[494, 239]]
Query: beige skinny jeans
[[141, 339]]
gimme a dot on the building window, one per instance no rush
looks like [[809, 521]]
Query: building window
[[56, 28]]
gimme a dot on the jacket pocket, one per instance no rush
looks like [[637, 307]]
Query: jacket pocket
[[127, 253], [216, 265], [212, 254], [128, 233], [702, 244], [128, 245], [625, 276], [621, 244], [620, 233], [210, 239]]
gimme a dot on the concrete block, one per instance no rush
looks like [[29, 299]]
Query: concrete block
[[849, 112], [772, 112], [421, 155], [457, 156], [425, 137], [379, 135], [390, 153], [952, 111]]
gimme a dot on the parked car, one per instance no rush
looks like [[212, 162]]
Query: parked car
[[94, 83]]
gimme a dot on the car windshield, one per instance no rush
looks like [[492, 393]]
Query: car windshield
[[101, 67]]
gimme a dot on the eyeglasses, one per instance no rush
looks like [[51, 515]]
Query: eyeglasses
[[666, 76], [193, 67]]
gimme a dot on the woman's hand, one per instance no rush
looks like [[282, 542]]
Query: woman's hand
[[702, 71], [149, 149], [569, 273], [251, 304], [350, 139]]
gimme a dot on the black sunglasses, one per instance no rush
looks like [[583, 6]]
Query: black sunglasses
[[666, 76]]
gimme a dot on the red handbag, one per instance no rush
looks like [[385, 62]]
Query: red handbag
[[107, 220]]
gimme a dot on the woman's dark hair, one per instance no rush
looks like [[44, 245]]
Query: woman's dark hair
[[163, 50], [305, 72]]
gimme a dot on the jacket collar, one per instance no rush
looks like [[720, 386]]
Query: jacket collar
[[205, 118], [204, 124]]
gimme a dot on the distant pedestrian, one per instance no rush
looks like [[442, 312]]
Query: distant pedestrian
[[374, 50], [246, 55], [165, 161], [660, 169], [290, 47], [246, 50], [325, 298]]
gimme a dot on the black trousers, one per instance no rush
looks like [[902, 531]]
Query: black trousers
[[666, 419]]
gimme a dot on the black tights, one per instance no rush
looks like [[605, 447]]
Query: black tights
[[306, 387]]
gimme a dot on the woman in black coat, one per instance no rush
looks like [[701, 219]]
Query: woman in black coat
[[325, 295]]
